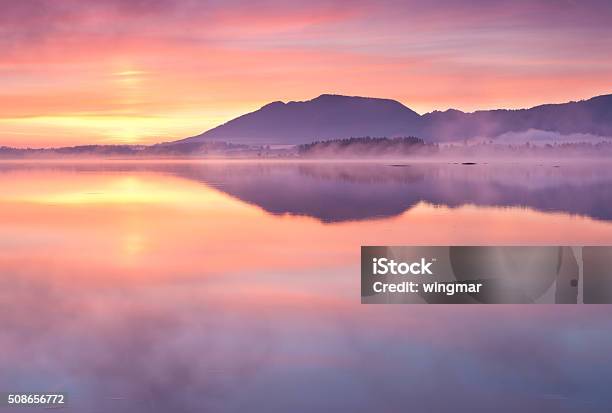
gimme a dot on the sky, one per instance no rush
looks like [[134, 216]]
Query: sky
[[145, 71]]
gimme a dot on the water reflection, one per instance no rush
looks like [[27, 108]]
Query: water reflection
[[171, 287], [335, 192], [348, 191]]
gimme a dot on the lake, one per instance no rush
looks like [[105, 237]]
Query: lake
[[230, 286]]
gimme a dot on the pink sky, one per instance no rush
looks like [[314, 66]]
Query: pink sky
[[85, 71]]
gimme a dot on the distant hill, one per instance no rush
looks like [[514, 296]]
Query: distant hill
[[338, 117], [593, 116], [323, 118]]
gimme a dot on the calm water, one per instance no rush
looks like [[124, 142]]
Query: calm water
[[234, 286]]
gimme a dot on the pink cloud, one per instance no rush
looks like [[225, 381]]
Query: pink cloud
[[200, 57]]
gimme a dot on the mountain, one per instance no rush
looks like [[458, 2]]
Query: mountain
[[325, 117], [593, 116], [334, 116]]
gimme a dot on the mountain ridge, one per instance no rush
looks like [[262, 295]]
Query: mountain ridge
[[333, 116]]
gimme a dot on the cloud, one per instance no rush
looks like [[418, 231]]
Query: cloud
[[204, 62]]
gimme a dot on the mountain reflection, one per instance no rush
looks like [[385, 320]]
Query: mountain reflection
[[336, 192], [349, 191]]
